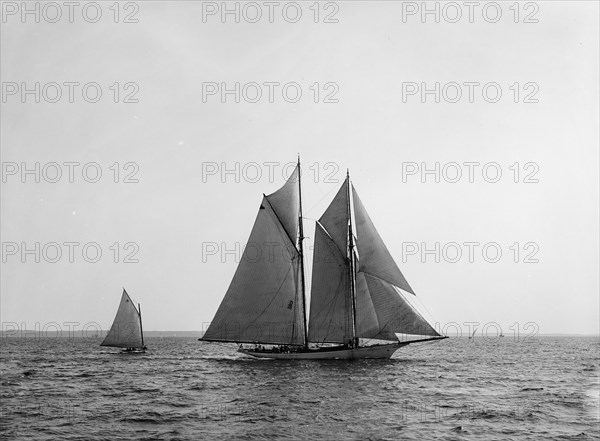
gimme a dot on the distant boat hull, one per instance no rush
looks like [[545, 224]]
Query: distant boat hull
[[133, 351], [335, 353]]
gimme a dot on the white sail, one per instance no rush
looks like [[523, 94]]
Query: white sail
[[263, 303], [394, 314], [335, 219], [126, 330], [375, 259], [330, 305], [286, 203], [367, 323]]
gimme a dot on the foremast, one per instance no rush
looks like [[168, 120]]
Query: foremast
[[351, 263], [301, 252]]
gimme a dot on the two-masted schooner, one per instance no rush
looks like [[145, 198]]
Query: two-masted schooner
[[357, 304], [126, 331]]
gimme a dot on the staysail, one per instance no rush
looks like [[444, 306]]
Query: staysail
[[264, 301], [375, 259], [393, 314], [126, 330]]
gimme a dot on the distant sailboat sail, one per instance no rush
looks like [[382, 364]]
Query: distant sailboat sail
[[126, 330], [473, 334], [357, 288], [263, 303]]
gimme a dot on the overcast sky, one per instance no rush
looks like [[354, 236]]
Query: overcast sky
[[370, 62]]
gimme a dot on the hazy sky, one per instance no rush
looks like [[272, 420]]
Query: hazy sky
[[174, 137]]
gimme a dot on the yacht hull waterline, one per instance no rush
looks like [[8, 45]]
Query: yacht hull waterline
[[379, 351], [382, 351]]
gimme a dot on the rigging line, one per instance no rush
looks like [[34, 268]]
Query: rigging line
[[404, 299], [281, 223], [415, 310], [296, 303], [422, 305], [328, 308], [379, 329], [319, 201], [415, 298], [327, 311]]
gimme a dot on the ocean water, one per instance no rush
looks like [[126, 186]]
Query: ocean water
[[182, 389]]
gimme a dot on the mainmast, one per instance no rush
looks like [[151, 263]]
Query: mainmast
[[301, 251], [351, 262]]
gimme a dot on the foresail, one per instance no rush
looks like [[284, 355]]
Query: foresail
[[126, 331], [375, 259], [394, 315], [367, 323], [330, 307], [263, 303]]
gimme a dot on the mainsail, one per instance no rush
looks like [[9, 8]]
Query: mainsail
[[356, 293], [126, 330], [264, 302], [330, 305]]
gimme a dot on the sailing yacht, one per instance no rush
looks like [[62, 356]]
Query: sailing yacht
[[358, 299], [126, 330]]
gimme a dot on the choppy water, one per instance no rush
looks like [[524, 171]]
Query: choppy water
[[541, 388]]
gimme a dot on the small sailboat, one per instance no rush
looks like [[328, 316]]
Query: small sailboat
[[126, 331], [473, 334], [358, 295]]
